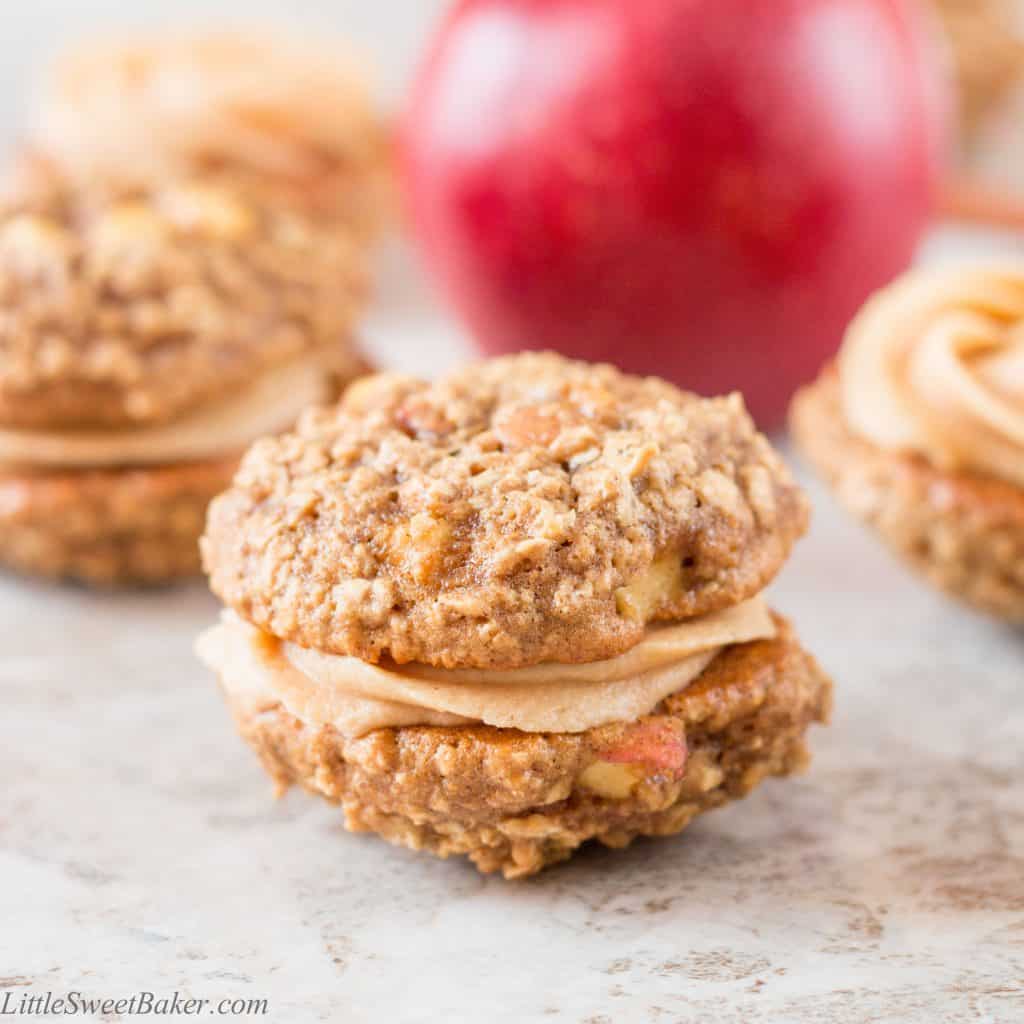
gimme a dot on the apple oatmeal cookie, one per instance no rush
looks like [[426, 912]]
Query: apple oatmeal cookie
[[919, 428], [513, 610], [145, 340]]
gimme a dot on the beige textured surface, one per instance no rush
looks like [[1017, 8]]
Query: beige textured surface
[[139, 846]]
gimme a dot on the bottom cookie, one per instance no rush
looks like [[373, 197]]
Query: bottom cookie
[[964, 532], [516, 802], [108, 527]]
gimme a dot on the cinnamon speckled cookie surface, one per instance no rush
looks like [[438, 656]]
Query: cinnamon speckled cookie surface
[[108, 527], [132, 309], [520, 510]]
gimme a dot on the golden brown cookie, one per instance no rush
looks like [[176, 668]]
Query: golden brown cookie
[[108, 527], [146, 338], [520, 510], [513, 610], [289, 118], [130, 310], [988, 54], [964, 531], [515, 802]]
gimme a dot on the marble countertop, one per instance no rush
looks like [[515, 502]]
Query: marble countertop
[[140, 848]]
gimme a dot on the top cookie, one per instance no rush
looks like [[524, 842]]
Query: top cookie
[[521, 510], [290, 117], [129, 310]]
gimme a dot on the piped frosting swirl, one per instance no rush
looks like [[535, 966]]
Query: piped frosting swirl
[[934, 365]]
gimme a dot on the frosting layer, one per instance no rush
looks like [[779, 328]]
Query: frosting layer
[[934, 365], [356, 697], [269, 405]]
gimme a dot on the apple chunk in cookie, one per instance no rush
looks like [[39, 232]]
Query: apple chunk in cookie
[[532, 586]]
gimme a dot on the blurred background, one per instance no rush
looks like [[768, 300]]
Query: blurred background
[[407, 323], [393, 32], [390, 33], [983, 52]]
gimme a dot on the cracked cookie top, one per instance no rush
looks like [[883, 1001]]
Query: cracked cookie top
[[520, 510], [130, 309]]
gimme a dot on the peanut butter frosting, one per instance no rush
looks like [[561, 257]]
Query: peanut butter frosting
[[934, 365], [269, 405], [356, 697]]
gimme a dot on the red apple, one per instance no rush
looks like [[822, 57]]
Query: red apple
[[702, 189]]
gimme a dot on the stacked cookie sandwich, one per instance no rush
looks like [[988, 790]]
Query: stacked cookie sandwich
[[514, 610], [145, 340]]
